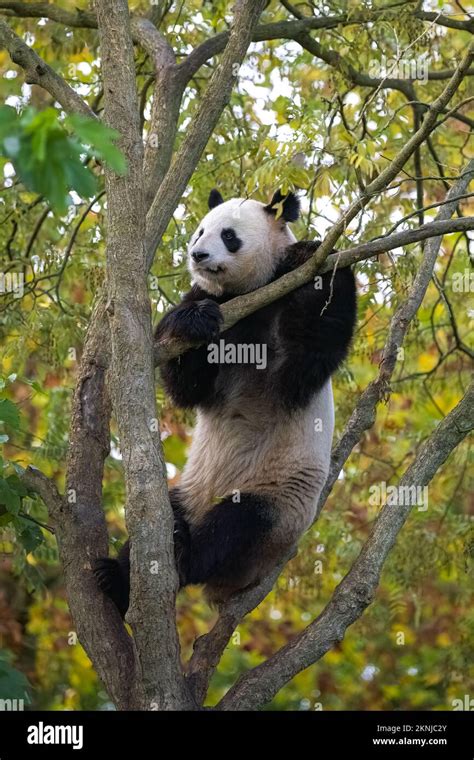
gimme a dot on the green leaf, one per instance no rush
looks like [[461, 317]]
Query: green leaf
[[13, 684], [101, 139], [8, 121], [29, 534], [9, 498], [46, 158], [80, 178], [17, 485], [9, 413]]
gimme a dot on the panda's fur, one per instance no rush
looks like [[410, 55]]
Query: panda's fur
[[262, 442]]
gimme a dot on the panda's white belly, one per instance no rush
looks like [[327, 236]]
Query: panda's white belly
[[250, 447]]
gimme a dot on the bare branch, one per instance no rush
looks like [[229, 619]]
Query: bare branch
[[80, 18], [152, 41], [451, 23], [38, 482], [38, 72], [76, 18], [357, 589], [422, 209], [446, 74], [363, 416], [168, 91]]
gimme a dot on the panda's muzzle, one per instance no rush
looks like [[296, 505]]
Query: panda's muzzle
[[202, 262]]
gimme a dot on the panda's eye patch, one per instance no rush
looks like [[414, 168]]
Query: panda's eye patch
[[231, 240]]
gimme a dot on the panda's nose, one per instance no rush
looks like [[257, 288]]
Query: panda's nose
[[199, 255]]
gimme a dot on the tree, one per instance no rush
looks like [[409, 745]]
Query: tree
[[380, 146]]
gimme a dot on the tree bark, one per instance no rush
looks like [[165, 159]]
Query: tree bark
[[148, 513]]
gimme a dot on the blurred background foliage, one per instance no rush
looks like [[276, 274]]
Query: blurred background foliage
[[297, 123]]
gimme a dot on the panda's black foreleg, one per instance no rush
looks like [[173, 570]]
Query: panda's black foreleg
[[316, 327], [226, 539], [189, 379], [113, 575]]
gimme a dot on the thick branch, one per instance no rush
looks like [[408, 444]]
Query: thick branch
[[168, 90], [242, 306], [210, 109], [78, 18], [87, 19], [452, 23], [358, 588], [208, 649], [81, 527], [148, 512], [38, 72]]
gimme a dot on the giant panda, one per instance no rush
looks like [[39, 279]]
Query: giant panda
[[262, 442]]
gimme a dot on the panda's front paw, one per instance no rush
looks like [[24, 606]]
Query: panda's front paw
[[195, 321]]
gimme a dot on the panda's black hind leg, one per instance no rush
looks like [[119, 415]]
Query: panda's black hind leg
[[220, 550], [226, 543], [113, 575], [113, 578]]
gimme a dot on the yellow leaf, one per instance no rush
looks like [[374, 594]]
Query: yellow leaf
[[443, 640], [426, 362]]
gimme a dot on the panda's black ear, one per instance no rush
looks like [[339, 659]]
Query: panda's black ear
[[291, 206], [215, 199]]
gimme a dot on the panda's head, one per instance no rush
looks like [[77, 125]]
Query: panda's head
[[239, 243]]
